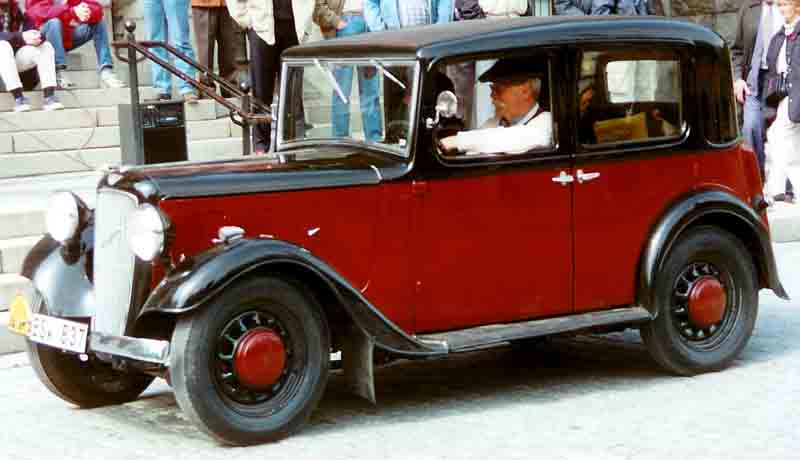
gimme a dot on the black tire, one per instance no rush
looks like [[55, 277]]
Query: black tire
[[216, 404], [676, 343], [86, 384]]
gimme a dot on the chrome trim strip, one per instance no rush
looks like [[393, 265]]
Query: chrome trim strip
[[148, 350], [494, 334]]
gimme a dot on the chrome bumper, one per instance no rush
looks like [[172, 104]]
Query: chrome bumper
[[147, 350]]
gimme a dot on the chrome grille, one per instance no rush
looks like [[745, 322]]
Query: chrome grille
[[113, 262]]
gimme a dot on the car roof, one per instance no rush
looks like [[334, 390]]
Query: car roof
[[468, 37]]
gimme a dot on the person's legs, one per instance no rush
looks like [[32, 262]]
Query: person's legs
[[98, 34], [156, 24], [177, 13], [43, 58], [340, 111], [51, 30], [753, 129], [204, 31], [779, 151], [8, 66], [263, 68], [229, 44]]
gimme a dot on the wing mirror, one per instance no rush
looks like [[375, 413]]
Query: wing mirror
[[446, 107]]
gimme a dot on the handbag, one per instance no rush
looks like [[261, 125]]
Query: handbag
[[776, 89]]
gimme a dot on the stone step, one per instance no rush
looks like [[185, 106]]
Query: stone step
[[784, 222], [79, 98], [13, 252], [100, 137], [21, 224], [11, 285], [34, 164]]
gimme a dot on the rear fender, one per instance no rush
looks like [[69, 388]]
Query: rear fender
[[198, 279]]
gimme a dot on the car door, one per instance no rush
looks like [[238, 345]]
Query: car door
[[494, 234], [631, 164]]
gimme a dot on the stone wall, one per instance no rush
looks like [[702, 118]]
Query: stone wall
[[719, 15]]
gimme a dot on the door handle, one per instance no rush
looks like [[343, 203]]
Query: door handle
[[564, 179], [586, 176]]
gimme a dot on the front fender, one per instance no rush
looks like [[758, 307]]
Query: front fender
[[198, 279], [59, 274], [697, 207]]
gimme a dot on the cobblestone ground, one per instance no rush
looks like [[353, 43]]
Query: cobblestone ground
[[582, 398]]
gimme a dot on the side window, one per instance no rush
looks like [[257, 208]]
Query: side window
[[504, 108], [629, 96]]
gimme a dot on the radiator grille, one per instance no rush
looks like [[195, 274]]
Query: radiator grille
[[113, 262]]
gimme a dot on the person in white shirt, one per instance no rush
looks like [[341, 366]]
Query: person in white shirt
[[520, 124]]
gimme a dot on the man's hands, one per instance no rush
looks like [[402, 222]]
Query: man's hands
[[741, 90], [32, 37], [82, 12]]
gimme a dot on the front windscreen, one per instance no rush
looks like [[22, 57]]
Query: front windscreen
[[363, 101]]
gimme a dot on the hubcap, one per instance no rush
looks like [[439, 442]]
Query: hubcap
[[700, 302], [254, 356], [707, 301], [259, 358]]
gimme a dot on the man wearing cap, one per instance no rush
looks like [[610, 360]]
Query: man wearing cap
[[520, 123]]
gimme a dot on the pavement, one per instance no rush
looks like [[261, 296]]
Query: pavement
[[591, 397]]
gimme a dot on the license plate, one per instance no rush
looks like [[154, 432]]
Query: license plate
[[58, 333]]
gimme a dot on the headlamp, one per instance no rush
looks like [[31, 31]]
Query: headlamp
[[65, 214], [146, 232]]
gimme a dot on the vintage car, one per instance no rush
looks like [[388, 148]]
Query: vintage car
[[237, 280]]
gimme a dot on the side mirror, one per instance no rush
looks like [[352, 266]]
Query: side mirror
[[446, 107]]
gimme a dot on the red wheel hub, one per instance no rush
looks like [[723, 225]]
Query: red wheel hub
[[707, 301], [259, 358]]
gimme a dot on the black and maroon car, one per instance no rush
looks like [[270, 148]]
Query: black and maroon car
[[237, 280]]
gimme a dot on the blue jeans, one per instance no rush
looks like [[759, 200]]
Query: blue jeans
[[367, 92], [80, 35], [168, 21]]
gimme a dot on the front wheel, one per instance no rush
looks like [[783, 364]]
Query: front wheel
[[89, 383], [251, 366], [706, 296]]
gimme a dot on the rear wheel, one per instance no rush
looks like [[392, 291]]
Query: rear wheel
[[251, 366], [90, 383], [706, 296]]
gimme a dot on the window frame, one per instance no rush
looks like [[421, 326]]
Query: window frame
[[681, 51], [555, 153]]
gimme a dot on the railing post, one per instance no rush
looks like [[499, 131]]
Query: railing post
[[133, 82], [245, 87]]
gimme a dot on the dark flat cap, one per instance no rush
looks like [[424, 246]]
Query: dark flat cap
[[516, 69]]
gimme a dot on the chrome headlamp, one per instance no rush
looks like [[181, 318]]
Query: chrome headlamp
[[147, 230], [66, 215]]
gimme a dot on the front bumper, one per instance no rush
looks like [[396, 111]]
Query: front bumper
[[146, 350]]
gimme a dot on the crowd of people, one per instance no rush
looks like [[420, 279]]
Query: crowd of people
[[766, 63], [35, 36]]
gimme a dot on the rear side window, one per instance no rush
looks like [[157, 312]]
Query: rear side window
[[629, 96], [715, 93]]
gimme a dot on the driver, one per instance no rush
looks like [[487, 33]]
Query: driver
[[520, 123]]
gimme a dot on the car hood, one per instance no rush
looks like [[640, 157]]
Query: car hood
[[293, 170]]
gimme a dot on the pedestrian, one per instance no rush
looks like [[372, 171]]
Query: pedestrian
[[627, 7], [272, 26], [68, 24], [393, 14], [573, 7], [214, 28], [168, 21], [22, 51], [783, 94], [342, 18], [757, 22]]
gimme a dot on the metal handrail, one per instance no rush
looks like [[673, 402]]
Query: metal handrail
[[251, 111]]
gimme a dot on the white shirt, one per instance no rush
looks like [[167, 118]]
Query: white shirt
[[353, 6], [528, 133], [782, 66]]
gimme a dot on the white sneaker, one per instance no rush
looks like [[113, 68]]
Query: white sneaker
[[51, 103], [22, 104], [110, 80], [62, 82]]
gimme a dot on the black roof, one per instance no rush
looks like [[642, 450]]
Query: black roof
[[430, 42]]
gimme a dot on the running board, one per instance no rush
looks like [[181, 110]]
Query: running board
[[494, 334]]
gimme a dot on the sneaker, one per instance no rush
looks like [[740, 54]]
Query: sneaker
[[22, 104], [190, 98], [51, 103], [110, 79], [62, 82]]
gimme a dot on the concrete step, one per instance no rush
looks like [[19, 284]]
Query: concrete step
[[9, 342], [35, 164], [99, 137], [784, 222], [13, 252], [10, 286], [80, 98]]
